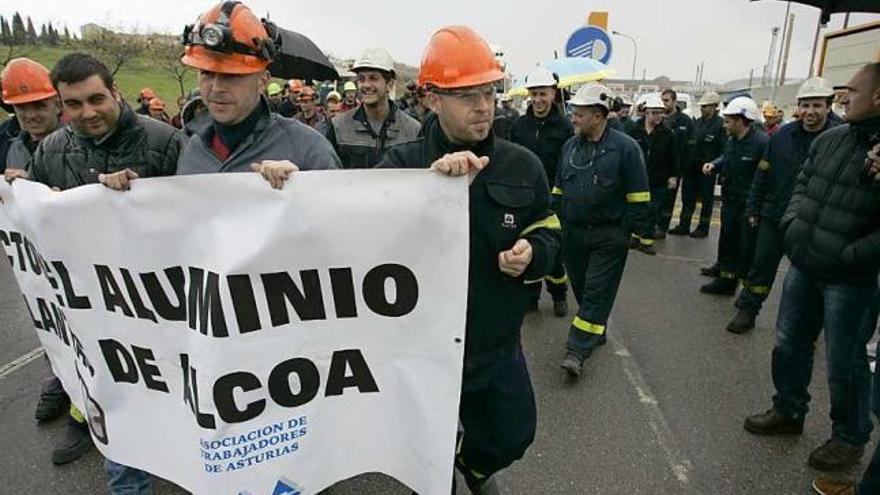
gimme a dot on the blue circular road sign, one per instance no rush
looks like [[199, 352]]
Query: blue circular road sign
[[590, 42]]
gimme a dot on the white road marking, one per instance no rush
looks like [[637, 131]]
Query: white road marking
[[12, 367], [679, 465]]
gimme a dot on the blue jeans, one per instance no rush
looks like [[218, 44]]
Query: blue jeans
[[124, 480], [849, 316]]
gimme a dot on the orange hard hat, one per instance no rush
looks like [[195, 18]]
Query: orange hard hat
[[229, 39], [147, 93], [157, 104], [457, 57], [24, 81], [307, 93]]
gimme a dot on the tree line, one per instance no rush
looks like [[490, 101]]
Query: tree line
[[17, 31], [115, 49]]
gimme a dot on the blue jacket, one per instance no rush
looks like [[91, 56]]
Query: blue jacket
[[775, 177], [604, 183], [738, 164]]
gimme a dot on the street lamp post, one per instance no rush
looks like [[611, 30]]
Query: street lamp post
[[635, 50]]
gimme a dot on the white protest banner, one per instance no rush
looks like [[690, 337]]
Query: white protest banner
[[237, 339]]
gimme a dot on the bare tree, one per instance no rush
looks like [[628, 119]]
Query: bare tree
[[164, 53], [115, 50], [14, 51]]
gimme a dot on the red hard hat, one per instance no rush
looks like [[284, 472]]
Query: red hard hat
[[147, 93]]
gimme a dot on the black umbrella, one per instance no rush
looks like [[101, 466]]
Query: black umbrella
[[297, 57], [840, 6]]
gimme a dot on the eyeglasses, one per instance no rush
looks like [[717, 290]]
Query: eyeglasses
[[470, 96]]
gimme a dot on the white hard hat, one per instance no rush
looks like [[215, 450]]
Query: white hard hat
[[816, 87], [540, 77], [742, 106], [503, 97], [709, 98], [593, 95], [374, 58], [654, 102]]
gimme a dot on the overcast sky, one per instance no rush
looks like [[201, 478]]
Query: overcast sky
[[674, 36]]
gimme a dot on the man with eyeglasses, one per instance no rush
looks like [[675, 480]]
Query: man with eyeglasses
[[362, 134], [602, 192], [514, 240]]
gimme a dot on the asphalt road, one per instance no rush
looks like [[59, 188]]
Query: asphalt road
[[659, 410]]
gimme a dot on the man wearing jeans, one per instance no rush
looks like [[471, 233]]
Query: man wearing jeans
[[832, 237]]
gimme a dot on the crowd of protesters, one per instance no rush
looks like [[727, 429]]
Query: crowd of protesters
[[588, 174]]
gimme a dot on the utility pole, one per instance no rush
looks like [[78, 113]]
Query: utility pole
[[815, 46], [768, 69], [786, 34], [751, 77], [786, 50]]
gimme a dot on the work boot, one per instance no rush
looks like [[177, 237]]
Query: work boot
[[659, 234], [773, 423], [711, 271], [680, 229], [75, 444], [720, 286], [53, 402], [742, 322], [572, 364], [488, 487], [700, 232], [835, 454], [646, 249], [560, 308], [824, 486]]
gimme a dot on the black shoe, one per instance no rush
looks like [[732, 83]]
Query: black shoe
[[681, 229], [742, 322], [711, 271], [720, 286], [77, 442], [660, 234], [53, 403], [646, 249], [773, 423], [700, 232], [834, 455], [572, 364], [560, 308]]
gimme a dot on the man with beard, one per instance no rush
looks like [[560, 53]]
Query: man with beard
[[770, 192]]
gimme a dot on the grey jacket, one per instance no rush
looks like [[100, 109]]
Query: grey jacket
[[359, 145], [21, 150], [273, 138]]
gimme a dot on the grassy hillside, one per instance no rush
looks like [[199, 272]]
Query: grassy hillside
[[130, 78]]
